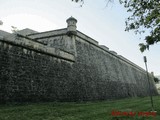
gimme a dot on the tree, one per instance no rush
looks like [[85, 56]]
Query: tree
[[156, 80], [14, 29], [145, 17]]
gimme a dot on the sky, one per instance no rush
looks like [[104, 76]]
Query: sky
[[102, 22]]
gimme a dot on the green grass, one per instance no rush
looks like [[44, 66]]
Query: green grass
[[80, 111]]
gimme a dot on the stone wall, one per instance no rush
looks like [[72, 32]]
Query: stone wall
[[31, 69], [106, 75], [29, 72]]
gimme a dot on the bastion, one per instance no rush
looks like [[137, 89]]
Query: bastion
[[65, 65]]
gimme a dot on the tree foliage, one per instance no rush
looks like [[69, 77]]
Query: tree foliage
[[156, 80], [145, 17], [14, 29]]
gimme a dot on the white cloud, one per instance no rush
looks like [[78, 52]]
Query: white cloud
[[22, 21]]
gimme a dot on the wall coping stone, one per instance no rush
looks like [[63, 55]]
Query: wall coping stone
[[35, 46]]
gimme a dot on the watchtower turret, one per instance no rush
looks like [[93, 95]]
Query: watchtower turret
[[71, 26]]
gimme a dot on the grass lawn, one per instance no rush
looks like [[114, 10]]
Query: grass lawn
[[101, 110]]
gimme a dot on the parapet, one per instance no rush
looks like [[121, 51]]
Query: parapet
[[36, 46], [129, 62], [26, 31], [4, 33], [47, 34], [104, 47], [86, 38], [113, 52]]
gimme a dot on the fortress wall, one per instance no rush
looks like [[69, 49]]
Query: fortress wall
[[62, 42], [57, 39], [20, 40], [31, 74], [113, 77], [34, 71]]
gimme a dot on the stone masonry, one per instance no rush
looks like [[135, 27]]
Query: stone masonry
[[65, 65]]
